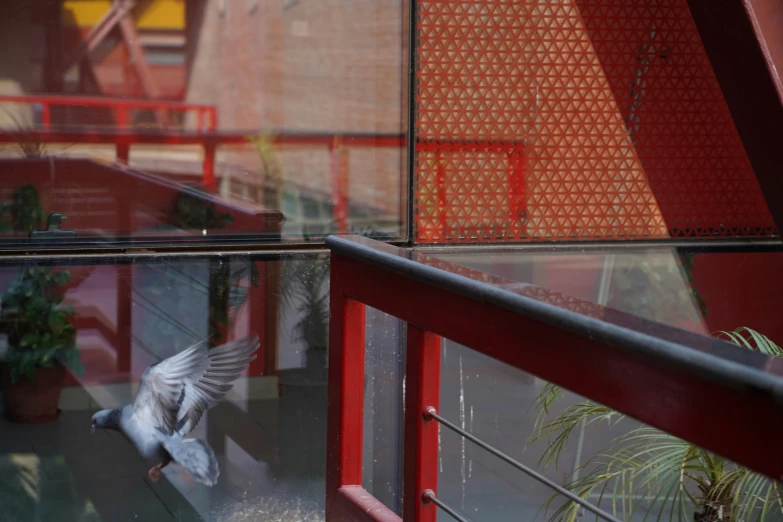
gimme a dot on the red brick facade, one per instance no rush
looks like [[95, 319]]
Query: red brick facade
[[308, 65]]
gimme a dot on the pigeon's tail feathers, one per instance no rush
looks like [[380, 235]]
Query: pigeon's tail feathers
[[196, 456]]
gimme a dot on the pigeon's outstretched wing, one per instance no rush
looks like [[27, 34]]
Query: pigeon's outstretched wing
[[174, 393]]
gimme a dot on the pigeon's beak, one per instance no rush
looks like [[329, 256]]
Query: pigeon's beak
[[92, 429]]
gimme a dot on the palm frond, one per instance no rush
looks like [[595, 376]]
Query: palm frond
[[657, 467], [562, 426], [544, 400], [752, 340], [677, 477]]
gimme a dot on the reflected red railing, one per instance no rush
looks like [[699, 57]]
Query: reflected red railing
[[703, 390], [121, 109], [337, 144]]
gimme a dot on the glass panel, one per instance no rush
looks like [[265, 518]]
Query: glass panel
[[491, 401], [268, 432], [383, 408], [625, 467], [704, 291], [147, 125], [574, 123]]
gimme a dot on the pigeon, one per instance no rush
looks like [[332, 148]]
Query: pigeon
[[173, 394]]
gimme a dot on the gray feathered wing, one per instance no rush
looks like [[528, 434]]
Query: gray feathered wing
[[174, 393]]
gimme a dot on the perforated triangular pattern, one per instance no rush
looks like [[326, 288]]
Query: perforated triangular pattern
[[624, 130]]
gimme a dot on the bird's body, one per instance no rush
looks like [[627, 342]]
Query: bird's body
[[172, 396]]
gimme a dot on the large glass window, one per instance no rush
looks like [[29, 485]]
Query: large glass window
[[169, 121], [169, 170]]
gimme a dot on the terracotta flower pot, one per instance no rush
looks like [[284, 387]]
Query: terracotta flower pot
[[33, 401]]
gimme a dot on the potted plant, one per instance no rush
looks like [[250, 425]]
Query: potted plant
[[41, 343], [684, 481], [304, 288]]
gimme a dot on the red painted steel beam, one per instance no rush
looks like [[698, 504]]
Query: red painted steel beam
[[744, 63], [138, 59], [98, 33], [715, 395]]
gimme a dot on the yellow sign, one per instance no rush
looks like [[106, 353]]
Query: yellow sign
[[148, 14]]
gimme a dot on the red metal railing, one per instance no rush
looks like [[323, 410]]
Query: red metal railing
[[121, 109], [713, 394], [337, 144]]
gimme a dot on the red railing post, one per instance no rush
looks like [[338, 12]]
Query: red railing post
[[516, 192], [422, 388], [338, 162], [46, 115], [121, 115], [440, 181], [212, 119], [123, 152], [346, 387], [210, 183]]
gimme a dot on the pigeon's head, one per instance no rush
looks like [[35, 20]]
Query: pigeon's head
[[106, 419]]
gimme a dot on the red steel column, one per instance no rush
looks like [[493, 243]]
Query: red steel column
[[422, 391], [346, 387]]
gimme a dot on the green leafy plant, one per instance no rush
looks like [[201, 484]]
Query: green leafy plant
[[683, 480], [24, 213], [27, 214], [39, 327], [304, 288]]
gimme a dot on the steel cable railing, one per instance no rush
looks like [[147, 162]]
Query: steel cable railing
[[431, 414]]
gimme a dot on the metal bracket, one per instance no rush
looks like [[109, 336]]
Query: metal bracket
[[53, 230]]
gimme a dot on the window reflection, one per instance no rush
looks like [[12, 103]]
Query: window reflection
[[300, 133], [699, 290], [268, 432]]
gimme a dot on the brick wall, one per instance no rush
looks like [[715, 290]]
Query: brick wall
[[307, 65]]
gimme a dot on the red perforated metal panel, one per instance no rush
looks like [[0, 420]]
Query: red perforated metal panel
[[623, 128]]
